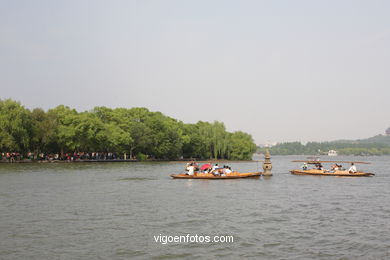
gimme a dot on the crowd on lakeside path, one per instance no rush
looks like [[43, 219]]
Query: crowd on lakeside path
[[76, 156]]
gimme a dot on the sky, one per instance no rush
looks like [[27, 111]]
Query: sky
[[278, 70]]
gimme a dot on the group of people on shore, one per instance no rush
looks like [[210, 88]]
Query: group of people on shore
[[76, 156], [193, 168], [11, 157]]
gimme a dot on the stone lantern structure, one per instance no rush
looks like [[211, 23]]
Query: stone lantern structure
[[267, 165]]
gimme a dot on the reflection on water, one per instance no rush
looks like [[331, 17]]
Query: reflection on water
[[113, 210]]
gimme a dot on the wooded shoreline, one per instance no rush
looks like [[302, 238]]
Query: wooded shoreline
[[122, 161], [137, 132]]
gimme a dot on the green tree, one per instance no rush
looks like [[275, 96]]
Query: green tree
[[166, 138], [43, 127], [65, 133], [242, 146], [136, 130], [15, 126]]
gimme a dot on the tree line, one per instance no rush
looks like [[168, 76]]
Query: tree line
[[137, 132], [342, 148]]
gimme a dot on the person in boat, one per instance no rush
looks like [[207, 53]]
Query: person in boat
[[214, 168], [187, 165], [352, 169], [191, 170], [208, 170], [195, 164], [192, 163], [216, 172], [228, 170], [335, 167], [304, 166], [319, 166]]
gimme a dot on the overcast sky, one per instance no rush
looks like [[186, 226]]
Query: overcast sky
[[279, 70]]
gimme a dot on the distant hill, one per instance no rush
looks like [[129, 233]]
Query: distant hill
[[376, 145], [378, 139]]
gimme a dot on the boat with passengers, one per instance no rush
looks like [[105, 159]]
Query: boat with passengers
[[335, 170], [233, 175], [207, 171]]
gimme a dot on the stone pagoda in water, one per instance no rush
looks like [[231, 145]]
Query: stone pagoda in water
[[267, 165]]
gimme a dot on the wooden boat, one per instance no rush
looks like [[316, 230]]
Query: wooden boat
[[233, 175], [322, 172], [328, 173]]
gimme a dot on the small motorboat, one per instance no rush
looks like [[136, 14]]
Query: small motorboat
[[210, 176]]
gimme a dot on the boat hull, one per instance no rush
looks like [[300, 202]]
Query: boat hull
[[209, 176], [337, 173]]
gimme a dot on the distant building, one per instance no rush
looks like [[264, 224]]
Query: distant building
[[388, 131], [268, 144]]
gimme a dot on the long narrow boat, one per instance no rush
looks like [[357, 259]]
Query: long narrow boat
[[233, 175], [320, 171], [327, 173]]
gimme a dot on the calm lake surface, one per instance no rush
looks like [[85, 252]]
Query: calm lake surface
[[114, 210]]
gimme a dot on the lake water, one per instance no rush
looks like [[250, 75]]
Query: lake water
[[114, 211]]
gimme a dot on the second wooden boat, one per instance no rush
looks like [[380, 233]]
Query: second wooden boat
[[328, 173]]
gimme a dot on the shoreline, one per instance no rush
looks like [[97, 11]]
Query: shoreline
[[124, 161]]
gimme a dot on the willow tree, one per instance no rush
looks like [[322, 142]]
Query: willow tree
[[220, 140]]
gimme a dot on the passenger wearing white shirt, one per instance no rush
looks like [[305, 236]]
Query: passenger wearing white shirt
[[191, 170], [352, 169]]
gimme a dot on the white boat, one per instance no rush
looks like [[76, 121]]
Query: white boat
[[332, 153]]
